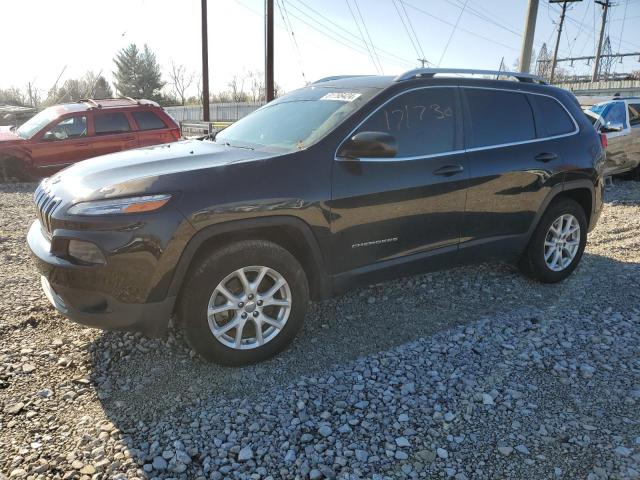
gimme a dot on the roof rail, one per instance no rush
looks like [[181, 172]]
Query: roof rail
[[431, 72], [338, 77], [90, 101], [134, 100]]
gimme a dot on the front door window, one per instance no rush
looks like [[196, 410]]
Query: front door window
[[72, 127]]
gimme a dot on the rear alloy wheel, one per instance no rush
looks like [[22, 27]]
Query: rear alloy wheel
[[562, 242], [244, 302], [557, 245]]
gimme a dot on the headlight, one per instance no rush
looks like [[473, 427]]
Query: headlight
[[146, 203]]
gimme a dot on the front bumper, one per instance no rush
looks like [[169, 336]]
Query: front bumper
[[60, 279]]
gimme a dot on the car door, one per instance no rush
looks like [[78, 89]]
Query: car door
[[511, 166], [62, 143], [387, 209], [633, 142], [618, 142], [113, 132], [151, 129]]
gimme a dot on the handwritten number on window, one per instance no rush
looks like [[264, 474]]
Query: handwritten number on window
[[401, 117]]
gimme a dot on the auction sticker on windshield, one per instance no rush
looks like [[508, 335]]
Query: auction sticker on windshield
[[341, 96]]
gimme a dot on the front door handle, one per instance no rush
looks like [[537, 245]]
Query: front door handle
[[546, 157], [449, 170]]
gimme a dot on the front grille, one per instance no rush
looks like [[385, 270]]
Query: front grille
[[46, 203]]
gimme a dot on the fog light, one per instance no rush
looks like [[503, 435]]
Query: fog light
[[85, 252]]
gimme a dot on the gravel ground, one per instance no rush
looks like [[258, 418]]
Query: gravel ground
[[471, 373]]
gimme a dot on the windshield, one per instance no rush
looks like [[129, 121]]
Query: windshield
[[297, 120], [37, 122], [600, 108]]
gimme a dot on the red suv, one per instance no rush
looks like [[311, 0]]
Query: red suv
[[64, 134]]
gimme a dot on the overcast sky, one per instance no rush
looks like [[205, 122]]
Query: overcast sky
[[41, 37]]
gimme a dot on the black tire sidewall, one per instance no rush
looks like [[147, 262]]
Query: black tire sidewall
[[537, 266], [208, 274]]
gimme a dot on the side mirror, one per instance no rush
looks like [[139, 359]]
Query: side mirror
[[612, 127], [49, 136], [369, 145]]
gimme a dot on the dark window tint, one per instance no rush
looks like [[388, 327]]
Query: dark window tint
[[499, 117], [147, 120], [115, 122], [552, 117], [634, 114], [422, 121]]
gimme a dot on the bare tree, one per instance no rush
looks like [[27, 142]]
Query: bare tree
[[180, 80], [33, 95], [237, 89]]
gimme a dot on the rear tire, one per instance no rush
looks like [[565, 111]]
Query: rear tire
[[554, 252], [235, 281]]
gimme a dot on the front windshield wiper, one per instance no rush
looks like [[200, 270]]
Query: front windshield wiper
[[227, 144]]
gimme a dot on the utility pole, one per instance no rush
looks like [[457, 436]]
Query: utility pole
[[205, 64], [555, 50], [268, 58], [596, 65], [423, 61], [527, 40]]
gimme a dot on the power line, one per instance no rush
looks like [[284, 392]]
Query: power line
[[446, 22], [406, 29], [412, 29], [452, 32], [575, 22], [376, 66], [322, 28], [385, 53], [287, 23], [366, 30]]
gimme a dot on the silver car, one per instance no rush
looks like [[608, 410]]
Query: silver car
[[619, 120]]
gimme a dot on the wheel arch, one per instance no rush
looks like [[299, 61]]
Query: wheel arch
[[582, 191], [291, 233]]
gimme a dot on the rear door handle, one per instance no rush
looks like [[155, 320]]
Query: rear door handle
[[449, 170], [546, 157]]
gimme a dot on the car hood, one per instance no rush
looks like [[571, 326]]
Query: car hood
[[143, 170], [8, 136]]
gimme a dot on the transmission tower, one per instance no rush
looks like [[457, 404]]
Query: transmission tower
[[543, 62], [606, 60]]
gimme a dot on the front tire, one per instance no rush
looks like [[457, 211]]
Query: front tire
[[244, 302], [557, 244], [14, 170]]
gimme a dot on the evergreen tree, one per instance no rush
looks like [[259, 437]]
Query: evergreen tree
[[137, 73], [102, 89]]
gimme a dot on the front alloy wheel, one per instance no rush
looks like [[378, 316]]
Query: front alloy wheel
[[249, 307], [243, 302]]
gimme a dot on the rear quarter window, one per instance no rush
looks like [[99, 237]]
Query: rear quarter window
[[499, 117], [148, 120], [553, 119], [115, 122]]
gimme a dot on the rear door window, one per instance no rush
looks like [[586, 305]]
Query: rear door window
[[148, 120], [113, 122], [422, 121], [634, 114], [499, 117], [616, 114], [553, 119]]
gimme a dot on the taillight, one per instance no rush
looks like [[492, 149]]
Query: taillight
[[603, 140]]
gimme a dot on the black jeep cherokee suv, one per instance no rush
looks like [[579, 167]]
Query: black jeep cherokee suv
[[346, 182]]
